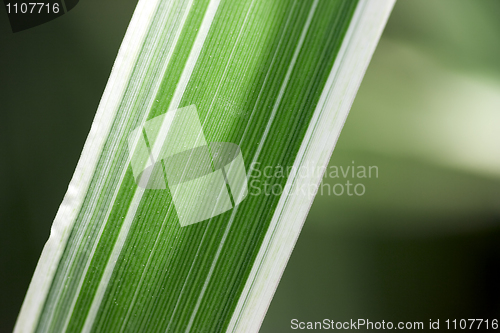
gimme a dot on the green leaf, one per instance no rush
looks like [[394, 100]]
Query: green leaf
[[190, 192]]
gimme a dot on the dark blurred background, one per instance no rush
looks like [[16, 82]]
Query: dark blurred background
[[423, 242]]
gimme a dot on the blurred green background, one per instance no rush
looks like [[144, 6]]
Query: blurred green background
[[422, 243]]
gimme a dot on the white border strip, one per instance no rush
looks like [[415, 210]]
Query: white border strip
[[171, 48], [328, 119], [77, 189]]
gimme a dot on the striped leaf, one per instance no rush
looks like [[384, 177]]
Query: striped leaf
[[188, 197]]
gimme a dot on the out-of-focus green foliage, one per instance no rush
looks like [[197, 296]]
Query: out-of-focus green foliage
[[422, 242]]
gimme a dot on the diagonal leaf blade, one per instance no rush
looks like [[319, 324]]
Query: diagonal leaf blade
[[275, 79]]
